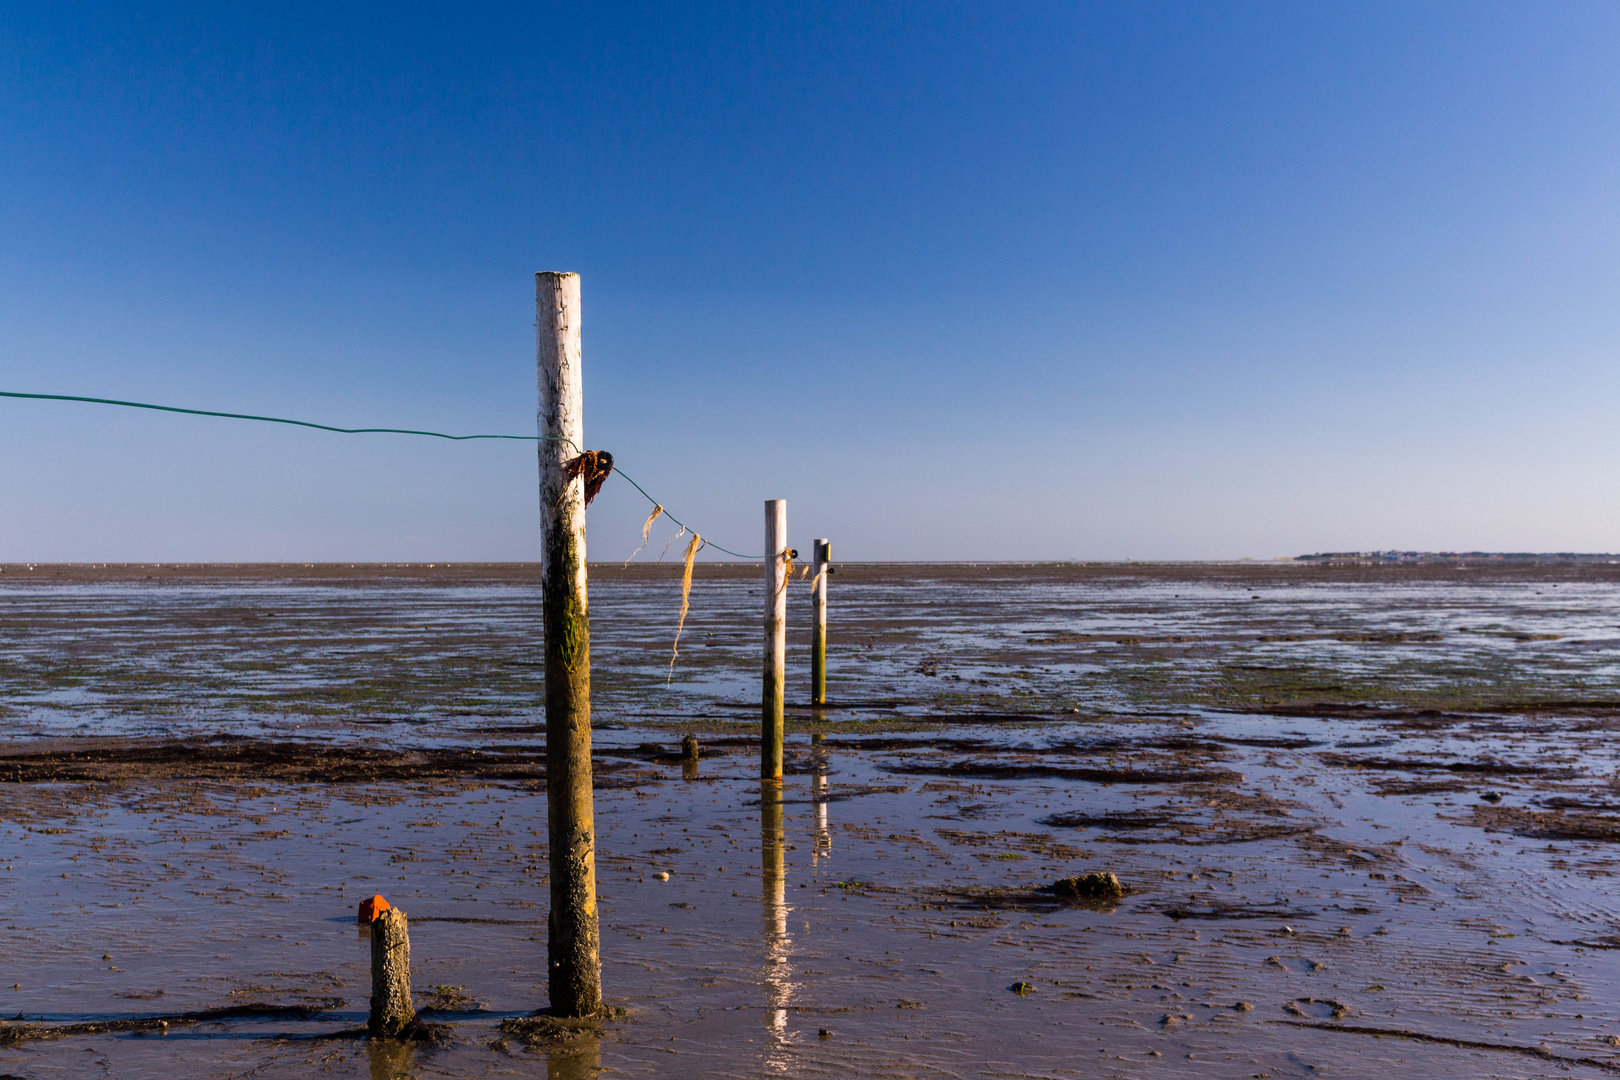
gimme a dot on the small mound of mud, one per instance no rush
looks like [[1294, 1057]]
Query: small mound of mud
[[540, 1031], [442, 998], [1094, 886]]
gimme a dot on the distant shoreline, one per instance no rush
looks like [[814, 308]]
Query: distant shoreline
[[1493, 557]]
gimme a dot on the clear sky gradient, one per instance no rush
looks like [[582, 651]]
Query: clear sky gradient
[[998, 281]]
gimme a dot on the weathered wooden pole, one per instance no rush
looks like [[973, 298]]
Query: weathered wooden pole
[[573, 939], [391, 1010], [820, 560], [772, 694]]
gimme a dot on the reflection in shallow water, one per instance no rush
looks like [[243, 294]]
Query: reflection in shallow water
[[777, 975], [577, 1059], [823, 838], [390, 1059]]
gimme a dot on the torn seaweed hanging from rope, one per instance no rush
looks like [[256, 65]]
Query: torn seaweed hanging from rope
[[686, 594], [646, 532], [671, 540], [787, 569], [594, 466]]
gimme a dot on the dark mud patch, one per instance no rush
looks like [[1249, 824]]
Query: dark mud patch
[[1420, 787], [1546, 824], [1486, 767], [1036, 901], [1164, 828], [1219, 910], [995, 770], [236, 758], [1265, 743], [12, 1033]]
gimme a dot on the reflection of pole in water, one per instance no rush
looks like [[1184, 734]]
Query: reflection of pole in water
[[818, 795], [773, 864], [576, 1059], [390, 1059]]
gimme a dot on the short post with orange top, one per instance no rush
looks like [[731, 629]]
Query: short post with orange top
[[391, 1011]]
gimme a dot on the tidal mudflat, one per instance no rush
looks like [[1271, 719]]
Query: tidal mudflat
[[1367, 818]]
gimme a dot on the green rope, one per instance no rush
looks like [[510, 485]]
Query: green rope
[[357, 431]]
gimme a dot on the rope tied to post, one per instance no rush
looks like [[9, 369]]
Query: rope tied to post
[[600, 463], [594, 466]]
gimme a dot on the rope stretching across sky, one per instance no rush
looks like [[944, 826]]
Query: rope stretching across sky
[[359, 431]]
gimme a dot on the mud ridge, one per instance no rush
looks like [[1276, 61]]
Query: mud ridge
[[984, 770], [255, 759], [1446, 1040], [1547, 825], [16, 1032]]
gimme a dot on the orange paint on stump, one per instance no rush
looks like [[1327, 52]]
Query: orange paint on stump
[[370, 909]]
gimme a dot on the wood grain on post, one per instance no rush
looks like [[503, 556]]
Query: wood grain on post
[[391, 1010], [820, 558], [574, 974], [772, 694]]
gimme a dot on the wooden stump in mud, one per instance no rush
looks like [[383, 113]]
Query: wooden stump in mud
[[391, 1011]]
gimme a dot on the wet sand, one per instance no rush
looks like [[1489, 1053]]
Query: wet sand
[[1365, 815]]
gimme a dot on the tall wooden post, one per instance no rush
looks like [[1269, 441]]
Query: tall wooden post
[[575, 965], [771, 697], [820, 558]]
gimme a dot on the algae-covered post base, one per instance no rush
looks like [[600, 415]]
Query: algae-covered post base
[[774, 685], [820, 567], [391, 1011], [574, 975]]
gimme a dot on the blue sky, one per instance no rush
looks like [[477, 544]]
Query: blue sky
[[958, 281]]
